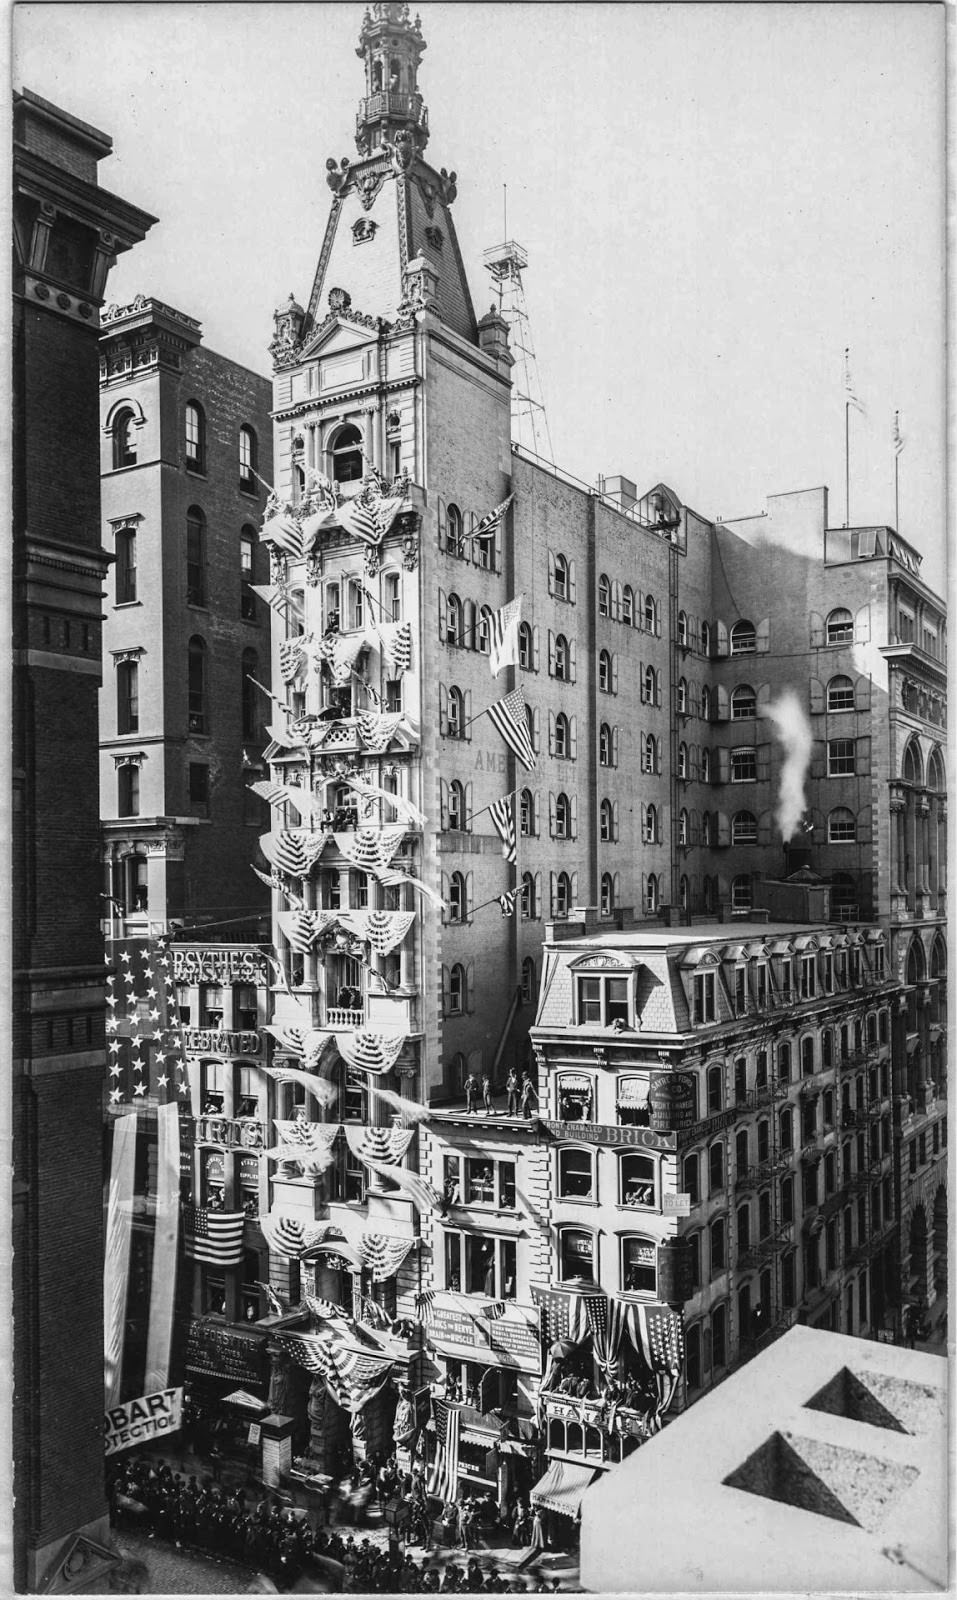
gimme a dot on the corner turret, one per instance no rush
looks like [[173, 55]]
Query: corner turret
[[391, 115]]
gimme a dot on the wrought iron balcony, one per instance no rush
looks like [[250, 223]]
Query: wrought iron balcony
[[763, 1250], [775, 1089], [762, 1171]]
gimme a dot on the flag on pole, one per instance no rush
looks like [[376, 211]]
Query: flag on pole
[[850, 394], [899, 440], [500, 812], [507, 903], [503, 636], [215, 1237], [145, 1055], [492, 520], [508, 716], [445, 1469]]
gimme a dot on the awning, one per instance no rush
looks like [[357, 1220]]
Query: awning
[[242, 1397], [562, 1487]]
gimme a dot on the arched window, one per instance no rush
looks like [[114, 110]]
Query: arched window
[[247, 572], [454, 527], [195, 437], [839, 628], [604, 671], [563, 743], [744, 828], [682, 700], [841, 826], [458, 898], [604, 745], [682, 826], [935, 772], [562, 578], [563, 817], [529, 980], [604, 597], [913, 766], [526, 814], [195, 557], [649, 686], [529, 908], [456, 714], [651, 613], [706, 703], [197, 689], [606, 821], [576, 1254], [684, 893], [741, 894], [840, 694], [247, 458], [607, 894], [650, 833], [128, 790], [485, 630], [127, 697], [628, 605], [248, 691], [744, 639], [639, 1265], [649, 753], [563, 895], [563, 663], [454, 621], [345, 454], [456, 989], [525, 646], [682, 627], [744, 702], [456, 806], [715, 1089], [651, 893], [124, 439], [705, 638], [682, 760]]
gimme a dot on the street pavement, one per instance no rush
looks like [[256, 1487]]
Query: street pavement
[[172, 1571]]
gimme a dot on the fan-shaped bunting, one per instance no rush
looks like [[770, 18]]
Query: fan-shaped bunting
[[293, 658], [293, 850], [377, 729], [383, 929], [370, 849], [302, 927], [379, 1144], [384, 1256], [395, 639], [370, 1049]]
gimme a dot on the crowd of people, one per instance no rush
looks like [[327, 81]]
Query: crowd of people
[[281, 1541]]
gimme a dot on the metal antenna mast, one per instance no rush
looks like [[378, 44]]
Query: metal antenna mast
[[504, 264]]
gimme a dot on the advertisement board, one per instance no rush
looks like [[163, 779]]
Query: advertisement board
[[150, 1417]]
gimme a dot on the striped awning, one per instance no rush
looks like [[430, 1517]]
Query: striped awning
[[562, 1487]]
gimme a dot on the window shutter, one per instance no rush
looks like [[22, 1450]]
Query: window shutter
[[763, 762], [443, 615], [536, 730], [616, 600], [443, 709], [765, 827], [862, 694], [468, 999], [614, 673], [574, 800], [551, 814], [572, 658], [816, 624], [468, 522], [819, 759], [446, 988], [467, 820], [536, 813], [467, 710], [614, 747], [573, 738], [442, 520], [572, 590], [616, 885], [574, 888], [864, 825], [816, 688], [551, 654], [445, 902], [658, 621], [862, 625], [658, 755], [763, 635], [862, 756], [551, 572], [551, 733], [721, 765], [614, 820], [720, 640], [536, 641], [724, 828], [443, 804], [644, 821], [471, 625], [537, 907], [722, 703], [469, 895], [641, 683], [552, 890]]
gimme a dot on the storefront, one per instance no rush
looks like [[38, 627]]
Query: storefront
[[223, 1362]]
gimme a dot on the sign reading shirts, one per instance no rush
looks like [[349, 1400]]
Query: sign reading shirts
[[139, 1421]]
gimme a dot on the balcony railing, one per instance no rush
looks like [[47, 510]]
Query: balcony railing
[[764, 1250], [596, 1413], [762, 1171], [774, 1089], [233, 1133], [343, 1017]]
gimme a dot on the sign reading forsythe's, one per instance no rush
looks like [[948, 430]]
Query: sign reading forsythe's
[[138, 1421], [218, 964]]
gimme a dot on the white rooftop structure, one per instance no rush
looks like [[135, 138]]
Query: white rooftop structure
[[820, 1466]]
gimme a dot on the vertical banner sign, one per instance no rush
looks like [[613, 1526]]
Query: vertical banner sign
[[119, 1232], [165, 1234]]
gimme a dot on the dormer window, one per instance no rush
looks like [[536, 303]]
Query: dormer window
[[702, 998], [603, 1000]]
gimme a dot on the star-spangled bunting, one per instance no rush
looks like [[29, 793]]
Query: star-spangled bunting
[[146, 1060], [501, 814], [508, 716]]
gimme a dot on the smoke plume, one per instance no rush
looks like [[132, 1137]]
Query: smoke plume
[[794, 732]]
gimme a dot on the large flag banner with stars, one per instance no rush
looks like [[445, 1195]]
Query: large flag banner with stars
[[146, 1088]]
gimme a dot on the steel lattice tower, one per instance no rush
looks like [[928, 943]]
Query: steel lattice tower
[[505, 263]]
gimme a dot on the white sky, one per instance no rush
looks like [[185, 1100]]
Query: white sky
[[715, 199]]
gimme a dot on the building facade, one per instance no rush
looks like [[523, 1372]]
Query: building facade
[[185, 453], [68, 232]]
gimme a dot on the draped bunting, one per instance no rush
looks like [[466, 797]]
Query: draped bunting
[[660, 1339], [424, 1195], [289, 1236], [377, 729], [370, 849], [302, 928], [351, 1376], [275, 882], [368, 517], [395, 639], [404, 809], [379, 1144], [607, 1320], [340, 651], [327, 1309], [281, 529], [293, 850], [308, 1043], [278, 794], [293, 657], [312, 1137], [383, 1255], [283, 737], [370, 1049], [383, 929]]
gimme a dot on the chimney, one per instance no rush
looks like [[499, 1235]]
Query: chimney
[[622, 491]]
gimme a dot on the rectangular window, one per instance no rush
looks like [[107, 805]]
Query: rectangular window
[[807, 977], [198, 778], [393, 694], [840, 757], [128, 787], [703, 997], [125, 566], [603, 1000], [744, 765]]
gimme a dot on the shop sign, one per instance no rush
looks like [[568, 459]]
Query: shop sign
[[253, 1435], [672, 1101], [249, 1171], [221, 1042], [600, 1133], [219, 965], [514, 1338], [138, 1421], [221, 1352], [676, 1205]]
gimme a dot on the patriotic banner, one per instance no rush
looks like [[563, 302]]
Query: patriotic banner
[[370, 849], [215, 1237], [274, 880], [313, 524], [369, 517], [382, 929], [290, 1236], [899, 439], [352, 1376], [305, 1138], [323, 1091], [293, 657], [424, 1195], [146, 1058], [275, 595], [326, 1310], [503, 636], [395, 640], [379, 1144], [293, 850], [508, 717], [502, 816], [425, 1307], [507, 902], [851, 396], [661, 1334], [382, 1255], [340, 651], [445, 1470], [566, 1316], [492, 520], [119, 1234], [412, 1112], [284, 532], [404, 809], [377, 729], [494, 1310], [302, 928], [395, 876], [292, 794], [166, 1184], [371, 1049]]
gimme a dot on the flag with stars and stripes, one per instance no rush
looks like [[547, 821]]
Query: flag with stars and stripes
[[485, 529], [506, 902], [503, 635], [145, 1055], [500, 812], [215, 1237], [508, 716], [445, 1468]]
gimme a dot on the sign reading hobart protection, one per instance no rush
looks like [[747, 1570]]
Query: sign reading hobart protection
[[140, 1421]]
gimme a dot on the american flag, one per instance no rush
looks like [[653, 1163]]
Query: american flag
[[507, 903], [508, 716], [359, 518], [503, 635], [662, 1338], [445, 1469], [215, 1237], [899, 440], [500, 812], [486, 528], [425, 1307], [851, 396], [146, 1059]]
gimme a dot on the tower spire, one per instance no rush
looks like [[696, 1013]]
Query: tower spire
[[391, 47]]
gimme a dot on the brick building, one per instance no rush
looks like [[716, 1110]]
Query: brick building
[[68, 232], [185, 448]]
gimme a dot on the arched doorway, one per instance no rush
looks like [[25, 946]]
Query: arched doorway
[[940, 1241], [918, 1254]]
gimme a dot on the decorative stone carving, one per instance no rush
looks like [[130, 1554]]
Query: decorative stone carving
[[339, 300], [368, 186], [313, 568], [363, 230], [338, 176], [410, 552], [448, 186], [435, 238], [403, 150], [287, 333]]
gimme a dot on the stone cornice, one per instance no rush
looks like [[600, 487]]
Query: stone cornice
[[344, 396]]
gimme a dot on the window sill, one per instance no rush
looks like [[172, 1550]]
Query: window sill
[[194, 469], [125, 605], [577, 1200]]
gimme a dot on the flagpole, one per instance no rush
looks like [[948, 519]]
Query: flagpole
[[507, 796], [897, 459], [847, 464]]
